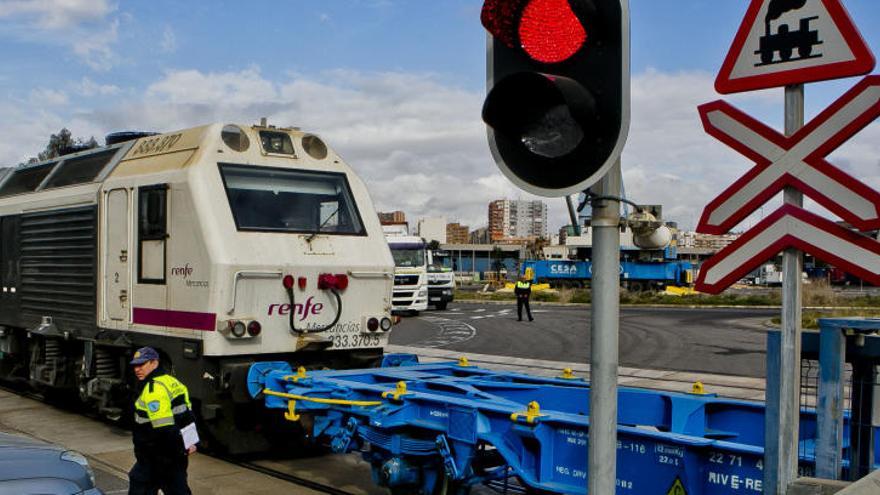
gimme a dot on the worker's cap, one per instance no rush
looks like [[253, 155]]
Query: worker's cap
[[144, 354]]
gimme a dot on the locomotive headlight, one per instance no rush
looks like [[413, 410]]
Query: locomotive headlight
[[385, 323], [238, 329]]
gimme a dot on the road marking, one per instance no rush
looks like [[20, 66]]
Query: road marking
[[451, 332]]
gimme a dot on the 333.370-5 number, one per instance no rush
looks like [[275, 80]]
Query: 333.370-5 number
[[346, 341]]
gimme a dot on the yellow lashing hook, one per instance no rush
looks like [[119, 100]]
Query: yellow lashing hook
[[698, 388], [532, 411], [399, 391], [463, 362], [300, 374], [291, 414], [567, 374]]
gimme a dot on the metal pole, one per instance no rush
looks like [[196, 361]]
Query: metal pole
[[573, 215], [604, 324], [784, 434], [830, 405]]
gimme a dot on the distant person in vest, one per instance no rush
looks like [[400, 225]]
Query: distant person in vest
[[523, 291], [164, 430]]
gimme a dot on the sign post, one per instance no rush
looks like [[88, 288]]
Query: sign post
[[785, 467], [789, 43]]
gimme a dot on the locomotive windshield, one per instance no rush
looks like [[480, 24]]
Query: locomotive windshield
[[283, 200]]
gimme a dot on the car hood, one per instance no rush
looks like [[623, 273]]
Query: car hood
[[23, 458], [9, 443]]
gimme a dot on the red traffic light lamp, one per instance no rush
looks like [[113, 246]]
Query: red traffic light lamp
[[557, 110]]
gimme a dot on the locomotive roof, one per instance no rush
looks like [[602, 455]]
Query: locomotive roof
[[145, 155]]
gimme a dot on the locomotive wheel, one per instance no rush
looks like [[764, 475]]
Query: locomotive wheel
[[785, 54], [805, 50], [766, 56]]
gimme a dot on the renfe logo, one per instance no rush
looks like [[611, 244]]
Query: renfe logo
[[301, 309], [182, 271]]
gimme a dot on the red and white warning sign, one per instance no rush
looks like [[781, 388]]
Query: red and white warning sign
[[790, 226], [783, 42], [797, 161]]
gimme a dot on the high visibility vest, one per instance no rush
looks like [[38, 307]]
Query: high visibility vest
[[523, 285], [161, 400]]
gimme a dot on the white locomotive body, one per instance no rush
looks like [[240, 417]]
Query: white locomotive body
[[219, 245]]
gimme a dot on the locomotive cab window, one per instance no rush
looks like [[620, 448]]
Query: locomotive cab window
[[152, 233], [283, 200], [276, 142]]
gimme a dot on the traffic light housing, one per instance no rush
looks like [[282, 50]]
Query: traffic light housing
[[557, 108]]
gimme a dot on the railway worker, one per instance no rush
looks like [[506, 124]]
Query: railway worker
[[523, 291], [162, 408]]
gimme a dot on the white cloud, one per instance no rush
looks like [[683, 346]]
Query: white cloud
[[87, 87], [168, 43], [89, 28], [44, 97], [420, 145], [232, 89], [56, 14], [95, 48]]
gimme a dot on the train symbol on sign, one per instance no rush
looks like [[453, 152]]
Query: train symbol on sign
[[785, 41]]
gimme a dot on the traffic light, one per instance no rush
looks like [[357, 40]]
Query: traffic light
[[557, 108]]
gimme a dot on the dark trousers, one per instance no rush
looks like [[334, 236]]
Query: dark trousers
[[147, 478], [520, 302]]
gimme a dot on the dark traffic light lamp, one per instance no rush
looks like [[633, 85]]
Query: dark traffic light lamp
[[558, 102]]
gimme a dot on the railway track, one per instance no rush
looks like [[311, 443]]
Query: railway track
[[288, 477]]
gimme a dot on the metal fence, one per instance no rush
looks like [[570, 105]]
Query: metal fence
[[861, 401]]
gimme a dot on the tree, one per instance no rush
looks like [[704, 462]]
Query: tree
[[62, 144], [434, 245]]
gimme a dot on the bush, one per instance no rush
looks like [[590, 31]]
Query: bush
[[810, 319]]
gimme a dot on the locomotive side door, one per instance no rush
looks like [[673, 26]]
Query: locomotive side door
[[117, 264]]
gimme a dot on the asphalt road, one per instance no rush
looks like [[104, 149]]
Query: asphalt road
[[723, 341]]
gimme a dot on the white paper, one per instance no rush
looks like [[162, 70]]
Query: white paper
[[190, 435]]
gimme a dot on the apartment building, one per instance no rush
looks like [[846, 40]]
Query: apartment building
[[517, 219]]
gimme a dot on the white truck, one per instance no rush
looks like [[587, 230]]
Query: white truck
[[441, 284], [410, 293]]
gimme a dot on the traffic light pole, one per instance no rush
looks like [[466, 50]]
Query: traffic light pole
[[604, 323]]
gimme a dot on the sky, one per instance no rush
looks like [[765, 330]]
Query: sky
[[394, 86]]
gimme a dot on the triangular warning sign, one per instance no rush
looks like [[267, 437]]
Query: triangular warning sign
[[677, 488], [782, 42]]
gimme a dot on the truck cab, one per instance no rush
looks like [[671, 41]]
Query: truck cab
[[410, 293], [441, 284]]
